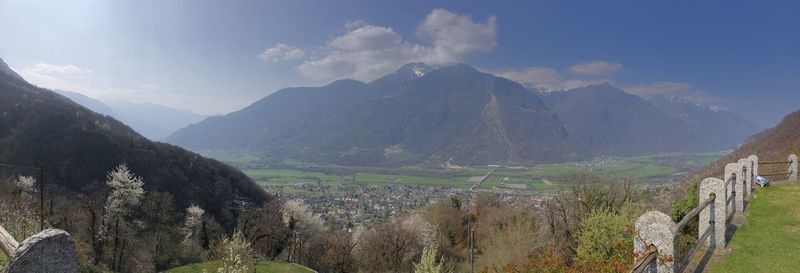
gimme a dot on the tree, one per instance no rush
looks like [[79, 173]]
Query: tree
[[159, 215], [332, 253], [192, 230], [91, 201], [265, 230], [388, 248], [303, 224], [428, 263], [119, 226], [26, 183], [194, 217], [235, 254]]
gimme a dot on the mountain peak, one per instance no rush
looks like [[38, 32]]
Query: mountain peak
[[4, 68], [417, 69], [405, 73]]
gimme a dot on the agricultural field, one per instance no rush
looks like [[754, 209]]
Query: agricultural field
[[292, 177]]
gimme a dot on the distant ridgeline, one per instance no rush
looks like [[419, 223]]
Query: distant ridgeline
[[78, 147], [460, 115], [771, 143]]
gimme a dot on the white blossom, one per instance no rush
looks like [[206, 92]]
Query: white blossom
[[305, 220], [194, 217], [26, 183], [126, 191]]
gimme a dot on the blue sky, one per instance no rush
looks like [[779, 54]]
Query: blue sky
[[218, 56]]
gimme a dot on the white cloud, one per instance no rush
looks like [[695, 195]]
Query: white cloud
[[534, 77], [281, 52], [596, 68], [547, 79], [365, 52], [453, 36], [46, 69], [367, 38], [65, 77]]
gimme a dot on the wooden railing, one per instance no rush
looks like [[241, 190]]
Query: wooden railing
[[657, 235], [791, 168], [648, 258], [684, 260]]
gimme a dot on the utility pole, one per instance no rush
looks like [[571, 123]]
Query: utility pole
[[41, 198], [472, 249]]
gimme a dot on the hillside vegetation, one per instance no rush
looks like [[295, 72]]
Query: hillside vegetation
[[121, 196], [770, 145], [77, 147], [262, 267]]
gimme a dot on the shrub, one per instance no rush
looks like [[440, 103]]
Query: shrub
[[602, 231]]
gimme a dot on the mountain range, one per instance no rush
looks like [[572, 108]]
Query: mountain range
[[76, 147], [611, 122], [458, 114], [153, 121]]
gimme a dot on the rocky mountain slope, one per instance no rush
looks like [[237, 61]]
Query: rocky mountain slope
[[610, 121], [413, 115], [456, 113]]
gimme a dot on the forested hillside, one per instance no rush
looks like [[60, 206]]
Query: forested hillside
[[770, 145]]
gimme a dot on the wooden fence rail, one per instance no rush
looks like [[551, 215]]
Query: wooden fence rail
[[723, 198], [8, 243]]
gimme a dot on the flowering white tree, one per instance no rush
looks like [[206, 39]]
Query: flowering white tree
[[428, 263], [194, 217], [424, 230], [303, 223], [126, 194], [19, 215], [26, 183]]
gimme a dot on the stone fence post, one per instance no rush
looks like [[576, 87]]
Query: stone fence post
[[753, 165], [714, 212], [748, 177], [793, 167], [52, 250], [657, 229], [734, 171]]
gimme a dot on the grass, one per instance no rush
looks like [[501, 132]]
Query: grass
[[637, 167], [289, 176], [770, 240], [262, 267]]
